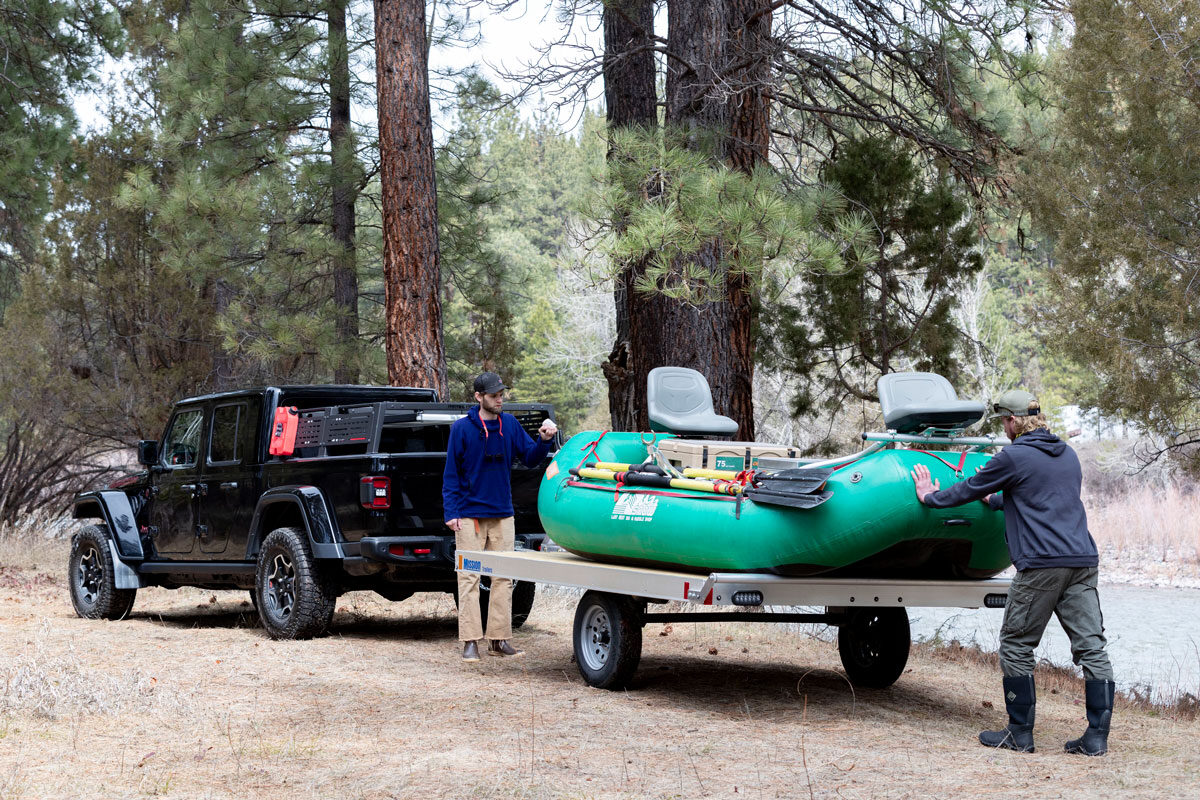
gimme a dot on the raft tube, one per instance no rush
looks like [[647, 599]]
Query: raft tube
[[871, 525]]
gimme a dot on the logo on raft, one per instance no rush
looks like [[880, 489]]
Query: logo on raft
[[635, 507]]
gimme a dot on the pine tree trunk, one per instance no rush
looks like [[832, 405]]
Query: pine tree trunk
[[341, 150], [748, 110], [412, 275], [632, 102], [713, 338]]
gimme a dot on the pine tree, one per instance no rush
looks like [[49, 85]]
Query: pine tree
[[890, 307], [1116, 195]]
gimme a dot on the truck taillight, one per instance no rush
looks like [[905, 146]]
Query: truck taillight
[[375, 492]]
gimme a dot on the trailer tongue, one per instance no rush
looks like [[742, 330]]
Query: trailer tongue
[[873, 633]]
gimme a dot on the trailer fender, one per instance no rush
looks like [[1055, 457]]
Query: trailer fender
[[302, 506], [113, 507]]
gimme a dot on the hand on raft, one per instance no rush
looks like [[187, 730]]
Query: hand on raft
[[920, 476]]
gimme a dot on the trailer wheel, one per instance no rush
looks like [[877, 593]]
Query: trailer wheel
[[873, 644], [91, 576], [608, 639]]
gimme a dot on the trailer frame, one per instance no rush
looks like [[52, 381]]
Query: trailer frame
[[869, 613]]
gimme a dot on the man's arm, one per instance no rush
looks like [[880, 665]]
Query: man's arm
[[532, 451], [994, 476]]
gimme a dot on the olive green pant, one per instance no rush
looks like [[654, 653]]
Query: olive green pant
[[484, 534], [1070, 594]]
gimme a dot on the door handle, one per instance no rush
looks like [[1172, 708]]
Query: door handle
[[197, 489], [229, 485]]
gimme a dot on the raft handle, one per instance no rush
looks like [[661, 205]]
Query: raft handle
[[951, 523]]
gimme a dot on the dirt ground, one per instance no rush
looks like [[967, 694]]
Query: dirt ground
[[189, 699]]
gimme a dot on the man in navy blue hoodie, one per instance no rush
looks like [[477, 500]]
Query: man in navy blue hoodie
[[1057, 567], [477, 499]]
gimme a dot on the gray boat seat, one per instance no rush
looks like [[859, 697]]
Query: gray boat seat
[[916, 401], [679, 401]]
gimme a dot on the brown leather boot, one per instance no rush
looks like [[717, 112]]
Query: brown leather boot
[[501, 647], [470, 651]]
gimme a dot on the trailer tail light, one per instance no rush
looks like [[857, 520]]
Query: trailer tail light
[[421, 551], [396, 549], [375, 492]]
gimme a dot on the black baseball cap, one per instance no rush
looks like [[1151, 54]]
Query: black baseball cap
[[489, 383]]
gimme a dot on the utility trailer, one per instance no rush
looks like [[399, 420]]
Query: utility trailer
[[870, 615]]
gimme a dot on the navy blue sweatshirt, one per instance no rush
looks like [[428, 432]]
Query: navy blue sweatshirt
[[479, 455], [1044, 521]]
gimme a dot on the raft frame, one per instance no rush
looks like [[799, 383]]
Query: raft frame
[[873, 631]]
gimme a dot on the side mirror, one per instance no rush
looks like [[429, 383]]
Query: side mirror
[[148, 452]]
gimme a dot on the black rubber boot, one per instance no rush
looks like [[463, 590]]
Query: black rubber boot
[[1099, 696], [1020, 699]]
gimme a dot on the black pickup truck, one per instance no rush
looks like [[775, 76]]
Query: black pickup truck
[[297, 493]]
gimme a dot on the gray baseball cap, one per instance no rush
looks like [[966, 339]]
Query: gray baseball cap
[[489, 383], [1016, 403]]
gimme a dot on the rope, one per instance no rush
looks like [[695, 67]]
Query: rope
[[627, 490], [962, 460]]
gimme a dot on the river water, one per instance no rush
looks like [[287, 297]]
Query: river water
[[1153, 636]]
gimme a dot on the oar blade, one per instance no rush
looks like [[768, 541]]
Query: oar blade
[[788, 499]]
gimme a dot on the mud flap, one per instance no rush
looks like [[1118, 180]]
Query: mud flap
[[124, 576]]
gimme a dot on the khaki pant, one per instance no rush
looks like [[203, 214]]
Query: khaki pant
[[484, 534], [1070, 594]]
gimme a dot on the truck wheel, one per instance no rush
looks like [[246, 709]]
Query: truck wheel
[[873, 644], [608, 639], [294, 600], [91, 575], [522, 601]]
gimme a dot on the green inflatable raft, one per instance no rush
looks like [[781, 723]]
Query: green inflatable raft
[[612, 497]]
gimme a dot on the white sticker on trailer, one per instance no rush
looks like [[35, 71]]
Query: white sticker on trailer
[[635, 507]]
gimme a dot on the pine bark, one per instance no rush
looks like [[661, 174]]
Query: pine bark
[[631, 102], [716, 102], [411, 266], [341, 155]]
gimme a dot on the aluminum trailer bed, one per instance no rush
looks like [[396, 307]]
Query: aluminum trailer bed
[[873, 632]]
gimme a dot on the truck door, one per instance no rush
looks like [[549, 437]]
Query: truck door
[[174, 510], [230, 478]]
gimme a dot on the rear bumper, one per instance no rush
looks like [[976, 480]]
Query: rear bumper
[[426, 549], [406, 549]]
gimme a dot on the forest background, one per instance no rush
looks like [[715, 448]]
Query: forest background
[[1001, 192]]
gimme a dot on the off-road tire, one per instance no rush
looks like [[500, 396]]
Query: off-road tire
[[874, 645], [295, 601], [91, 576], [607, 639]]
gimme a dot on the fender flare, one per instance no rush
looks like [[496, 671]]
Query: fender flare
[[319, 523], [112, 506]]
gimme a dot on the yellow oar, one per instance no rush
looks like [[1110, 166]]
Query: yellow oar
[[661, 481], [715, 474]]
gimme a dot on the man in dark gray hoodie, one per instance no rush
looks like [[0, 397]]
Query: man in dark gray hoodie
[[1046, 529]]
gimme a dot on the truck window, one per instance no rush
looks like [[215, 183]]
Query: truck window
[[413, 439], [224, 440], [183, 440]]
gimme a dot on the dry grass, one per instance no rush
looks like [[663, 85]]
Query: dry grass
[[382, 708], [1159, 522]]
